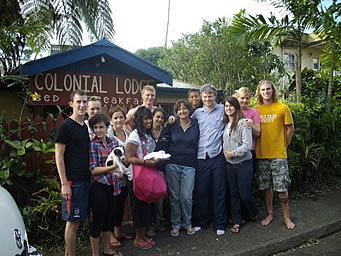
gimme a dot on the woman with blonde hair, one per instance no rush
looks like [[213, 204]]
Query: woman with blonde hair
[[243, 95], [252, 120]]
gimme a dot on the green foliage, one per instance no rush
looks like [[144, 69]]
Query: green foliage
[[42, 147], [300, 17], [153, 54], [316, 145], [42, 216], [215, 56], [26, 27], [37, 195], [13, 165], [328, 28]]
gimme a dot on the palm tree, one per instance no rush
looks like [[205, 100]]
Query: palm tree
[[27, 26], [67, 16], [329, 30], [299, 18]]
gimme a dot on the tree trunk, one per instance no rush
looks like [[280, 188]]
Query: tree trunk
[[3, 4], [331, 80], [167, 24], [299, 69]]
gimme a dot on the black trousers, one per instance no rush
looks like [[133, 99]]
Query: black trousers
[[119, 203], [101, 204]]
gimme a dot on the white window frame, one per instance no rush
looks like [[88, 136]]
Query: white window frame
[[289, 59], [317, 65]]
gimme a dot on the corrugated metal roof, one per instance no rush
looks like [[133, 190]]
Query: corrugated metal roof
[[179, 84]]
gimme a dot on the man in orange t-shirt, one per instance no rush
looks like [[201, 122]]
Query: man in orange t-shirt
[[277, 128]]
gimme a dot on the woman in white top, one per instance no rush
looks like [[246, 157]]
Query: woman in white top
[[116, 130], [140, 143]]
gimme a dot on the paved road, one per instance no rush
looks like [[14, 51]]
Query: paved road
[[327, 246], [314, 218]]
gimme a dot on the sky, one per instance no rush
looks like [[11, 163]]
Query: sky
[[141, 24]]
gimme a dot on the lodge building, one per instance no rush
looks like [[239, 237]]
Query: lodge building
[[101, 69]]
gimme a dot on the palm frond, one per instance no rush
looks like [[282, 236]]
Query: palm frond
[[259, 27], [98, 20]]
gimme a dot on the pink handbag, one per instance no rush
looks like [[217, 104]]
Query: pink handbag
[[148, 184]]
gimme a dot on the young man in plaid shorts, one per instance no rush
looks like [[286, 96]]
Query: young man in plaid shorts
[[277, 128]]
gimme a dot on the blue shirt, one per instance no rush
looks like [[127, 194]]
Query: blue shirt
[[183, 145], [211, 127]]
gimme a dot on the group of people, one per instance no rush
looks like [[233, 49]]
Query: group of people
[[216, 152]]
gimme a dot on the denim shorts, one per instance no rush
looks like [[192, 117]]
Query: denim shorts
[[76, 209], [273, 173]]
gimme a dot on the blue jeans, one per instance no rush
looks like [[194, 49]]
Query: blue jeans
[[180, 188], [239, 177]]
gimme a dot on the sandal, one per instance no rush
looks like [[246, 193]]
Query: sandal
[[142, 245], [175, 232], [190, 231], [235, 229], [115, 245], [151, 241]]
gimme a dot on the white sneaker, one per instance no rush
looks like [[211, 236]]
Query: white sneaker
[[220, 232], [197, 229]]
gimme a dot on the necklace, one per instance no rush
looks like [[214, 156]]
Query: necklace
[[156, 133], [185, 124], [120, 134]]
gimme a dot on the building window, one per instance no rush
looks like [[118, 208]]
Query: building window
[[316, 63], [289, 61]]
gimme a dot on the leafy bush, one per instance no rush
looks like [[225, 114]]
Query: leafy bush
[[315, 148], [42, 216], [37, 196]]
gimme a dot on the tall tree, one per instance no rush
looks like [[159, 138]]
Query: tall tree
[[68, 15], [153, 54], [328, 27], [293, 25], [214, 55], [28, 26]]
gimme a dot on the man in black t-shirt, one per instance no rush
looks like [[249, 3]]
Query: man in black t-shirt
[[72, 160]]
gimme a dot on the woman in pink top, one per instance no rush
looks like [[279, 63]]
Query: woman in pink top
[[243, 95]]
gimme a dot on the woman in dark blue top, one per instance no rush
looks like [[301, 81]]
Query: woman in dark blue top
[[180, 169]]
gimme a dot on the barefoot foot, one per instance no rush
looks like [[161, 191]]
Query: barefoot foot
[[267, 220], [289, 224]]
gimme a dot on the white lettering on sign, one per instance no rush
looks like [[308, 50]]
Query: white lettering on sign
[[85, 82], [136, 86], [68, 83], [55, 98], [127, 85], [117, 89], [49, 81], [126, 90], [94, 85], [106, 100], [36, 81]]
